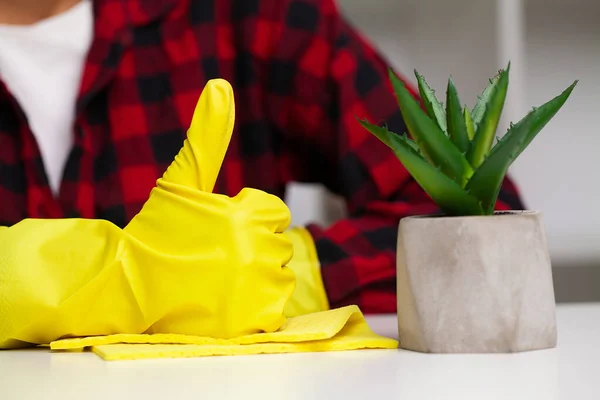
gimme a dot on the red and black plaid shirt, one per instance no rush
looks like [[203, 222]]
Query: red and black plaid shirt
[[301, 76]]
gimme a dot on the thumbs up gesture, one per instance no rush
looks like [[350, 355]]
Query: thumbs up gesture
[[191, 262]]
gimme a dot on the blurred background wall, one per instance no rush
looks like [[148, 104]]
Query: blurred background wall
[[550, 43]]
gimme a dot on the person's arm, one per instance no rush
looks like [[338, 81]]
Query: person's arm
[[324, 75]]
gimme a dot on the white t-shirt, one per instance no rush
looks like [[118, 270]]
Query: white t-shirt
[[42, 64]]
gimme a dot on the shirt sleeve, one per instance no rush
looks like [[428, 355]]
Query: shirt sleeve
[[323, 75]]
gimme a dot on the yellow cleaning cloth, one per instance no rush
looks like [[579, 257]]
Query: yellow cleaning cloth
[[335, 330]]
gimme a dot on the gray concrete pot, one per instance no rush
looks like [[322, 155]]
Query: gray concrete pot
[[475, 284]]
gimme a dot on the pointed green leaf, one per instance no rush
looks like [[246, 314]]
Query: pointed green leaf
[[487, 180], [456, 121], [468, 123], [434, 108], [390, 139], [482, 101], [435, 145], [486, 130], [447, 194]]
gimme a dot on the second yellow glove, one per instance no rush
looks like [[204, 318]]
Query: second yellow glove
[[309, 295]]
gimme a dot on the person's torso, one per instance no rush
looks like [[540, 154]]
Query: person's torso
[[139, 89]]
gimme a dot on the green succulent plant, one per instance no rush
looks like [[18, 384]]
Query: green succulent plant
[[452, 155]]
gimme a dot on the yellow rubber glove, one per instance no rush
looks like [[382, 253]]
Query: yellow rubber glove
[[309, 295], [191, 262]]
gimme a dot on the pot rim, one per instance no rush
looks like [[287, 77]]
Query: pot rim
[[497, 214]]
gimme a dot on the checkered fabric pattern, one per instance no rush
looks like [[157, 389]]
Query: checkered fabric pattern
[[301, 75]]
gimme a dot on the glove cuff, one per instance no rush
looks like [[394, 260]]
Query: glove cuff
[[309, 295]]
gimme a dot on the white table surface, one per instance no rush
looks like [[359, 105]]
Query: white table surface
[[571, 371]]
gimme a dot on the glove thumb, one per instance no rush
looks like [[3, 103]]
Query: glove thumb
[[199, 161], [195, 169]]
